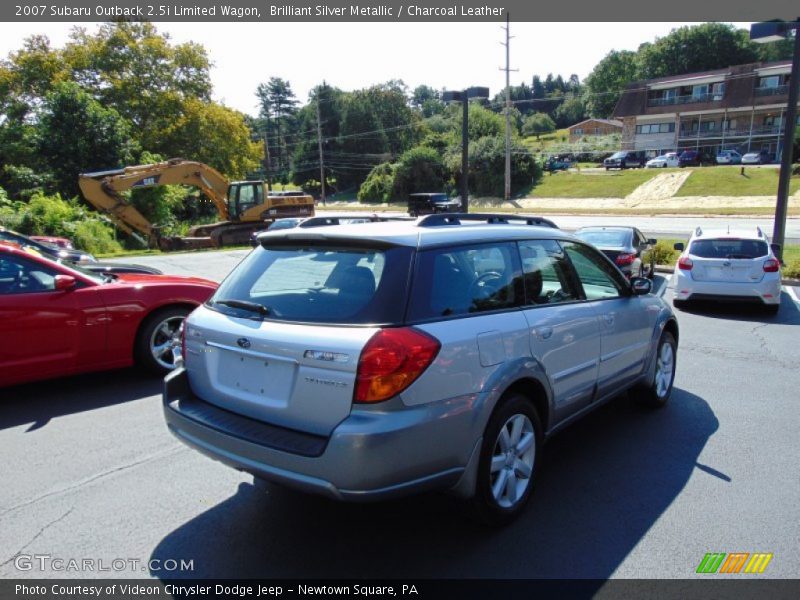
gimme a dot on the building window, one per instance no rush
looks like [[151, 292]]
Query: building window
[[718, 90], [655, 128], [772, 81], [577, 131]]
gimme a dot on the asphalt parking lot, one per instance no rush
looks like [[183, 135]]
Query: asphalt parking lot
[[90, 471]]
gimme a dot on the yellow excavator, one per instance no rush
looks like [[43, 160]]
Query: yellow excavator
[[243, 206]]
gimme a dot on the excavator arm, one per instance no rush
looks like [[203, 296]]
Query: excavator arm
[[103, 189]]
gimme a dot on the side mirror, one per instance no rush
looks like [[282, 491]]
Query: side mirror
[[652, 241], [679, 246], [64, 282], [641, 286]]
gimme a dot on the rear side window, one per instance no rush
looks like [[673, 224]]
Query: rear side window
[[465, 280], [729, 248], [319, 284], [549, 278]]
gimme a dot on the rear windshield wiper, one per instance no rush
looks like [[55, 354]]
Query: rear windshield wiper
[[245, 305]]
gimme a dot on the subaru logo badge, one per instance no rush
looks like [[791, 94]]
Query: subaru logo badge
[[243, 342]]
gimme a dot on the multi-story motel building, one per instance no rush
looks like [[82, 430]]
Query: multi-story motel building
[[739, 108]]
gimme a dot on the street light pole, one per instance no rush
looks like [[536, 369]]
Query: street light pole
[[463, 97], [767, 32], [782, 203]]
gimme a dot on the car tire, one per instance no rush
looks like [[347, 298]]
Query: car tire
[[151, 348], [656, 392], [772, 309], [507, 468], [679, 304]]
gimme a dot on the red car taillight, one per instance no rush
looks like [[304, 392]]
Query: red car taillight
[[391, 361], [685, 263], [625, 259], [771, 265]]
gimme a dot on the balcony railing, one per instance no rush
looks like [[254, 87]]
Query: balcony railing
[[780, 90], [692, 99], [738, 132]]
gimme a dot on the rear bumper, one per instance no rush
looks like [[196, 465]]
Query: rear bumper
[[372, 454], [766, 291]]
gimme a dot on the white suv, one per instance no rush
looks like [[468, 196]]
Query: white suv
[[374, 360], [731, 265]]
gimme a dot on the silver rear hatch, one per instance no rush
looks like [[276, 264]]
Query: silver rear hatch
[[281, 338]]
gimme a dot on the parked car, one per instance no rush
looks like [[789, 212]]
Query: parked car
[[429, 203], [626, 159], [670, 159], [734, 265], [694, 158], [728, 157], [626, 246], [71, 255], [60, 320], [388, 358], [58, 242], [557, 163], [87, 261], [757, 158]]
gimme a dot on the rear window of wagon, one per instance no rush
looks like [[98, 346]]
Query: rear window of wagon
[[325, 284]]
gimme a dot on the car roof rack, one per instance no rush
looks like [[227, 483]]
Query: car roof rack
[[319, 221], [438, 219]]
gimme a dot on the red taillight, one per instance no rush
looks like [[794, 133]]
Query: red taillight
[[685, 263], [391, 361], [771, 265], [625, 259]]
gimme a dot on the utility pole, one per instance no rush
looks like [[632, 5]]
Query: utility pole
[[321, 159], [267, 169], [508, 69]]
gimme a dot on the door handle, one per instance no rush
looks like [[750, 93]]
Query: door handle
[[608, 318], [543, 333]]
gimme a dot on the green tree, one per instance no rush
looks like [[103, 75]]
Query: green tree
[[418, 170], [687, 49], [572, 110], [131, 67], [215, 135], [76, 133], [536, 124], [607, 80]]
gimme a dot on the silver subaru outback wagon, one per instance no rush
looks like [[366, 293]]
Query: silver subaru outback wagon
[[374, 360]]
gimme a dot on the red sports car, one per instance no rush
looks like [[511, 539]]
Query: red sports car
[[57, 320], [59, 242]]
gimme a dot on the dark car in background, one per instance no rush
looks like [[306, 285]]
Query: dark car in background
[[626, 159], [429, 203], [625, 246], [78, 257], [695, 158]]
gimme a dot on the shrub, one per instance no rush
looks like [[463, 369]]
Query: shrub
[[663, 253], [418, 170], [792, 269], [95, 237], [378, 185]]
